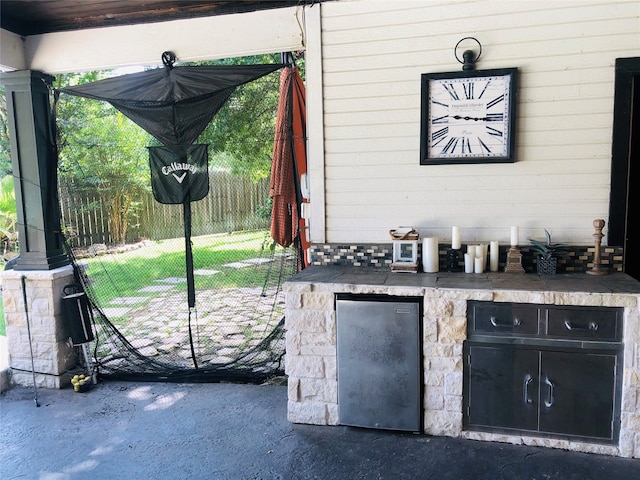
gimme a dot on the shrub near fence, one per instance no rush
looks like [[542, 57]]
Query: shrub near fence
[[232, 204]]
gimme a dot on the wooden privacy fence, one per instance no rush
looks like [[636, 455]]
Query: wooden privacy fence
[[233, 203]]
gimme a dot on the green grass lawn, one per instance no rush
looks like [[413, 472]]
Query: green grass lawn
[[123, 274]]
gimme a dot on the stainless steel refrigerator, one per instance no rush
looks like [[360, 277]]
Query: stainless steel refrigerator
[[379, 361]]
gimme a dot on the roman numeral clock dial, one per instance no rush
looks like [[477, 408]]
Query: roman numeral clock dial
[[468, 116]]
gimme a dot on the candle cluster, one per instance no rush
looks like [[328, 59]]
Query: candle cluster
[[475, 260]]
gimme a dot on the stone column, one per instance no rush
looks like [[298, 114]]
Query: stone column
[[42, 261], [53, 353], [34, 163]]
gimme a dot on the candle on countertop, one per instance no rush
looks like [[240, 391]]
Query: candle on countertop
[[478, 265], [430, 258], [455, 238], [494, 255], [471, 250], [484, 248], [515, 234], [468, 263]]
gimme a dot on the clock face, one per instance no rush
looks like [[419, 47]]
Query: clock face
[[468, 117]]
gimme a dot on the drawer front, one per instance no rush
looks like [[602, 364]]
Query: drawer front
[[503, 318], [586, 323]]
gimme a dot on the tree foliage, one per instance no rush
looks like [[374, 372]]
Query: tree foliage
[[102, 152], [8, 215], [244, 128], [5, 148]]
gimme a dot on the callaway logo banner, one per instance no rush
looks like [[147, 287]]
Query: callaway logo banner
[[179, 173]]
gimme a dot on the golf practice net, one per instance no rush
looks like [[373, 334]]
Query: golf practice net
[[200, 299], [235, 332]]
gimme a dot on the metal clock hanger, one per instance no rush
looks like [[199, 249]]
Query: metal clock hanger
[[469, 57]]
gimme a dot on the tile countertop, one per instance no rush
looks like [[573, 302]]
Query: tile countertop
[[615, 283]]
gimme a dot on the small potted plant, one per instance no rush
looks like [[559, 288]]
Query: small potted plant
[[547, 254]]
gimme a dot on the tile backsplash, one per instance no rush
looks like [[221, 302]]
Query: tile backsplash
[[380, 255]]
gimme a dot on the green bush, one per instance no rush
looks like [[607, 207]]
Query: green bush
[[3, 329], [8, 218]]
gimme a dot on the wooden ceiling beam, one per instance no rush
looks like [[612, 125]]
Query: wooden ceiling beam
[[33, 17]]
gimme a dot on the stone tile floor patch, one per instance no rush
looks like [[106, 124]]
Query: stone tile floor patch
[[258, 261], [127, 300], [156, 288], [237, 265], [172, 280], [248, 263], [204, 271]]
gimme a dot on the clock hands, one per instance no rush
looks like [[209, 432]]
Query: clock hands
[[477, 119]]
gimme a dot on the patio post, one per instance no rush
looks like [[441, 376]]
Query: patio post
[[34, 162], [42, 261]]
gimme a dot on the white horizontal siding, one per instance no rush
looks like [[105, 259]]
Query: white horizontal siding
[[373, 53]]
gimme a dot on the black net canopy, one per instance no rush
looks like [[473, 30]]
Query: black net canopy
[[174, 104]]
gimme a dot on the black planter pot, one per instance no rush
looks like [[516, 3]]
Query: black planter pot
[[546, 266]]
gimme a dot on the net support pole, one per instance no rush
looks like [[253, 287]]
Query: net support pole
[[191, 290]]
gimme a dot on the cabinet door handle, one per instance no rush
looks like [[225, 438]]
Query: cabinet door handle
[[590, 327], [528, 379], [548, 403], [514, 323]]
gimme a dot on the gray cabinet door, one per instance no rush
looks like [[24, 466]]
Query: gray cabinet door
[[501, 387], [577, 392], [379, 374]]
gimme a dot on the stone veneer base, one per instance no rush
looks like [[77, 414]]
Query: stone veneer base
[[311, 341], [52, 352]]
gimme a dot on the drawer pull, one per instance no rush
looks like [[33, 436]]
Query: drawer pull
[[591, 327], [549, 403], [514, 323], [527, 381]]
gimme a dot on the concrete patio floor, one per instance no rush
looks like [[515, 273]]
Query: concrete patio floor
[[165, 431]]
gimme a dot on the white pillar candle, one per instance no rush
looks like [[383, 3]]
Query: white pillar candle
[[471, 250], [494, 256], [478, 265], [515, 234], [455, 238], [468, 263], [430, 258], [484, 247]]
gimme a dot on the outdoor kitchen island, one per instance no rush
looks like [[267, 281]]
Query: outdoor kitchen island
[[586, 326]]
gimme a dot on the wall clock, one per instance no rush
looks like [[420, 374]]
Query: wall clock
[[468, 116]]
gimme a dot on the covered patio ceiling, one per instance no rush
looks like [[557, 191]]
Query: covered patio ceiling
[[34, 17]]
